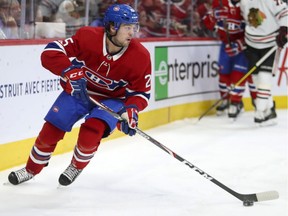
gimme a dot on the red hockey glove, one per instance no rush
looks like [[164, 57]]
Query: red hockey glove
[[209, 21], [75, 83], [74, 72], [130, 120], [281, 38], [221, 13], [234, 48]]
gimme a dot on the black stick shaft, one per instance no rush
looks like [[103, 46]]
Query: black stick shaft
[[243, 197]]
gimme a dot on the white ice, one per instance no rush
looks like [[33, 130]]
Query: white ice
[[131, 176]]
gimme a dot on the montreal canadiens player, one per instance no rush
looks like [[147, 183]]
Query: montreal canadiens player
[[225, 18], [118, 75], [266, 27]]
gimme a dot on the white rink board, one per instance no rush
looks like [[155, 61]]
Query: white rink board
[[27, 90]]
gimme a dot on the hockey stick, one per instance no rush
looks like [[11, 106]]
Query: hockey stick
[[247, 199], [258, 63]]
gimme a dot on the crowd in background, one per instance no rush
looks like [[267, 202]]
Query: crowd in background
[[29, 19]]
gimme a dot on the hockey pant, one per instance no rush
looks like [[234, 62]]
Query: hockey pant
[[90, 135]]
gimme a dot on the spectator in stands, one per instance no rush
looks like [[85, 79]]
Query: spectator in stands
[[202, 8], [102, 6], [15, 11], [47, 10], [3, 8], [153, 21], [71, 13], [8, 24]]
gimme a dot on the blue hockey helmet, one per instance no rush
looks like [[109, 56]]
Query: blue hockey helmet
[[120, 13]]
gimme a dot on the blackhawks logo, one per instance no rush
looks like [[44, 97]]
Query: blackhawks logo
[[255, 17]]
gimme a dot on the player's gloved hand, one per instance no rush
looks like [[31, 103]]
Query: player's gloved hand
[[209, 21], [75, 83], [221, 13], [281, 38], [234, 48], [130, 120]]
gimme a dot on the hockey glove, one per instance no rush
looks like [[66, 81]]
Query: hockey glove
[[281, 38], [209, 21], [221, 13], [130, 120], [234, 48], [75, 83]]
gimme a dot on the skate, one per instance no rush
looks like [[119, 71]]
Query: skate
[[266, 117], [235, 109], [69, 175], [19, 176], [220, 110]]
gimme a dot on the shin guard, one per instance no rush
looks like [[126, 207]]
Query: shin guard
[[264, 100], [238, 91], [90, 135], [224, 85], [43, 148], [252, 88]]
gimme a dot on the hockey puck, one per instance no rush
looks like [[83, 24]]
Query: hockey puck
[[248, 203]]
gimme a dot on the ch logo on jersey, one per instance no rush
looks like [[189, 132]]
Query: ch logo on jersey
[[102, 82], [255, 17]]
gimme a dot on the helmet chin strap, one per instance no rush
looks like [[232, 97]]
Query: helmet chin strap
[[110, 38]]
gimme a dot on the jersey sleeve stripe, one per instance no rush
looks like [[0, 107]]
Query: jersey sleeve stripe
[[55, 46]]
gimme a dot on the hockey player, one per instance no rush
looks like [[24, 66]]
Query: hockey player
[[117, 72], [225, 18], [266, 26]]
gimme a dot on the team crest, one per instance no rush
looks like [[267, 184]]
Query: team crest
[[116, 8], [55, 109], [255, 17]]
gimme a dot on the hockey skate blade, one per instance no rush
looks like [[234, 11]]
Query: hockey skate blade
[[7, 183], [235, 117], [269, 123], [61, 187], [232, 120], [221, 113]]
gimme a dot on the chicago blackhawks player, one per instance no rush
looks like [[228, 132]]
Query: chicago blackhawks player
[[266, 26]]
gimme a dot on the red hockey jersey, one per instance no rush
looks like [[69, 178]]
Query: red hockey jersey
[[230, 28], [125, 75]]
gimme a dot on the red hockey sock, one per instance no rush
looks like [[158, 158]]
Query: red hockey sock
[[252, 88], [224, 84], [237, 93], [44, 146], [90, 135]]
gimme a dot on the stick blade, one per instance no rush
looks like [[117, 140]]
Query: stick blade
[[268, 195]]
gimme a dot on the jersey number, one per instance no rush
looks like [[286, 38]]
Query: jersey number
[[66, 41], [148, 83]]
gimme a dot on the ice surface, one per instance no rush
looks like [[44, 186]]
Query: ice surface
[[131, 176]]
